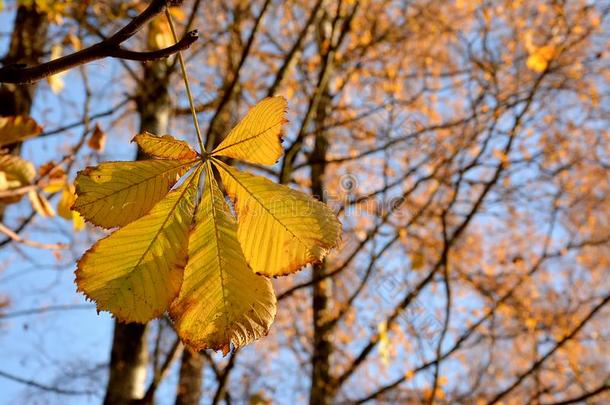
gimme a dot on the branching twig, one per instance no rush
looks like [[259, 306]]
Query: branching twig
[[110, 47], [35, 384]]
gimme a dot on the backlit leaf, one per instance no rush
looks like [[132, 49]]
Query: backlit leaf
[[206, 278], [40, 204], [116, 193], [56, 81], [17, 172], [97, 141], [64, 208], [539, 59], [17, 129], [280, 229], [164, 147], [256, 138], [136, 272], [221, 300]]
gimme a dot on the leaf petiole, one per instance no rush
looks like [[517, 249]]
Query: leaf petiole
[[186, 82]]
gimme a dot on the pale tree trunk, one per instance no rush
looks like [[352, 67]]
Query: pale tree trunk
[[129, 356]]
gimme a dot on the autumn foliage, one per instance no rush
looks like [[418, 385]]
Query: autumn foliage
[[438, 171]]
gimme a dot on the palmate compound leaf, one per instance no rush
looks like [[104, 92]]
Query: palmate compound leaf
[[17, 128], [256, 139], [164, 147], [136, 272], [117, 193], [221, 301], [280, 229]]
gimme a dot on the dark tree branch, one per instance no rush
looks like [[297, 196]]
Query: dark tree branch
[[110, 47], [560, 343], [188, 39], [581, 398], [43, 387]]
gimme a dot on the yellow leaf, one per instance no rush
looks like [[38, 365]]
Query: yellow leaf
[[53, 187], [17, 129], [384, 343], [78, 222], [73, 40], [55, 81], [40, 204], [257, 138], [116, 193], [164, 147], [221, 302], [280, 229], [4, 183], [159, 33], [53, 177], [136, 272], [539, 59], [97, 141], [66, 200], [17, 173]]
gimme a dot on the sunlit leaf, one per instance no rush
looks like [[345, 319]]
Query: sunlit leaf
[[17, 129], [384, 343], [17, 172], [68, 196], [116, 193], [136, 272], [164, 147], [53, 177], [64, 207], [56, 81], [280, 229], [221, 301], [539, 59], [256, 138], [218, 300], [40, 204]]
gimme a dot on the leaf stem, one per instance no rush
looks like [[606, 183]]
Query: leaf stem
[[186, 82]]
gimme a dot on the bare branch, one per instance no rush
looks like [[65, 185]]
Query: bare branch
[[44, 387], [110, 47]]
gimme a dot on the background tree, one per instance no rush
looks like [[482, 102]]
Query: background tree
[[463, 144]]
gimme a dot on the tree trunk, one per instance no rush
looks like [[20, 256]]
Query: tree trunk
[[322, 348], [26, 47], [320, 393], [189, 384], [129, 357]]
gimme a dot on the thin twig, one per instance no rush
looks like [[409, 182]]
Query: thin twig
[[44, 387], [186, 83], [110, 47], [51, 308], [15, 237]]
